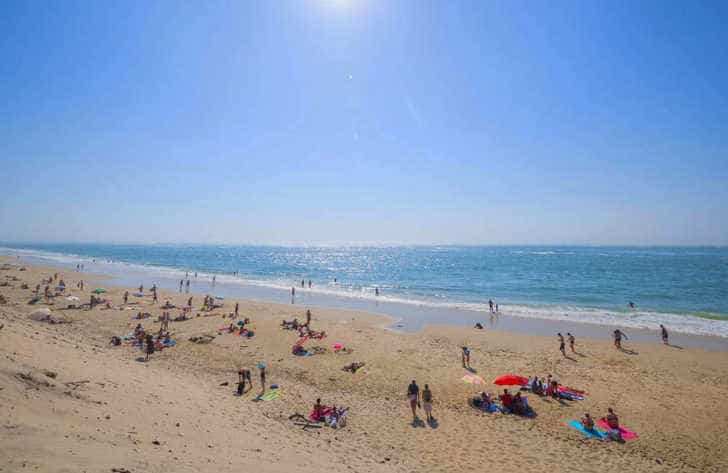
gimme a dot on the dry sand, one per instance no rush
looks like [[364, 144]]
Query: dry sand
[[69, 401]]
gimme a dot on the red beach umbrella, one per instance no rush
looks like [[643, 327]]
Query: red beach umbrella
[[510, 380]]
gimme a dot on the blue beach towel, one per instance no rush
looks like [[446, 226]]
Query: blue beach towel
[[596, 433]]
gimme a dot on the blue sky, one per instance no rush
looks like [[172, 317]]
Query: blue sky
[[352, 122]]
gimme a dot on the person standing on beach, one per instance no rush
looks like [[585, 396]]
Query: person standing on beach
[[562, 346], [150, 346], [427, 402], [413, 395], [376, 291], [126, 297], [466, 357], [303, 283], [293, 295], [189, 302], [663, 330], [571, 341], [141, 289], [618, 334], [188, 286], [261, 367], [181, 283], [309, 284], [237, 306], [490, 305]]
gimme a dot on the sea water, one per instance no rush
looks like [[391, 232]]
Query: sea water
[[686, 288]]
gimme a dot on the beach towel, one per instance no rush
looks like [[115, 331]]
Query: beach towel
[[300, 341], [596, 433], [269, 396], [473, 379], [326, 411], [626, 434]]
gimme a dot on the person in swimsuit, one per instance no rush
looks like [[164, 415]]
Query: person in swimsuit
[[571, 341], [663, 330], [427, 402], [614, 432], [611, 419], [237, 307], [126, 297], [413, 396], [562, 346], [587, 422], [318, 410], [618, 334]]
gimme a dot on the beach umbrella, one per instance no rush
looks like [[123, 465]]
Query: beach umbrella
[[510, 380], [98, 290], [473, 379]]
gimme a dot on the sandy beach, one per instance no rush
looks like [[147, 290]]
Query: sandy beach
[[70, 401]]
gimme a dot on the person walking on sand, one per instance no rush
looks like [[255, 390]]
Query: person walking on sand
[[237, 306], [490, 305], [663, 331], [413, 396], [126, 297], [189, 302], [571, 341], [466, 357], [243, 376], [562, 345], [618, 334], [427, 402], [141, 289]]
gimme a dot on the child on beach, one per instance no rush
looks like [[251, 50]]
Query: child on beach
[[466, 357]]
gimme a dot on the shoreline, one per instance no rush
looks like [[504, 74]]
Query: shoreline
[[408, 318]]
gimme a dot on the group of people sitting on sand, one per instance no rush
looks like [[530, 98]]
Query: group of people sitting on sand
[[550, 387], [509, 403], [149, 342]]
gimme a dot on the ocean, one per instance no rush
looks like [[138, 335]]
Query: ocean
[[686, 288]]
